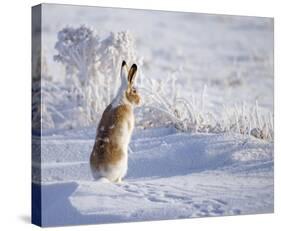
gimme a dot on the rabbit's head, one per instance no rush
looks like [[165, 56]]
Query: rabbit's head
[[129, 76]]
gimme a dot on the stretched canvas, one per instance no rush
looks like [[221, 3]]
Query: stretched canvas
[[141, 115]]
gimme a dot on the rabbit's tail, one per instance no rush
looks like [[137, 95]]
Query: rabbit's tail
[[103, 180]]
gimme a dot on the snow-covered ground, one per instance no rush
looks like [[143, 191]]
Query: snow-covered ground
[[220, 65], [171, 175]]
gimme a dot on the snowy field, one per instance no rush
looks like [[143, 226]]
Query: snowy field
[[171, 175], [203, 142]]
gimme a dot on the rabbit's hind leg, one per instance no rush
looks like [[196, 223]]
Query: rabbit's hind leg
[[118, 180]]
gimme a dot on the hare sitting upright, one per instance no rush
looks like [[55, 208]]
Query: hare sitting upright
[[109, 158]]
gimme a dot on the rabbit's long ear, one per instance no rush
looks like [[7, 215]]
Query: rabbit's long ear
[[124, 72], [132, 74]]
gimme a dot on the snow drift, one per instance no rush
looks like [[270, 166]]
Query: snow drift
[[171, 175]]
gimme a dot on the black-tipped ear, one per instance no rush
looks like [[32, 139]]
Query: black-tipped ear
[[124, 63], [132, 73], [124, 72]]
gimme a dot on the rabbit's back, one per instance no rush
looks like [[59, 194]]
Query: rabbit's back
[[109, 155]]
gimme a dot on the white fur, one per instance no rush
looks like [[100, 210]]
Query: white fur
[[106, 139], [103, 180], [119, 98], [113, 173]]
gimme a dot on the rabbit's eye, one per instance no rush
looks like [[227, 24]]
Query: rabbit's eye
[[134, 90]]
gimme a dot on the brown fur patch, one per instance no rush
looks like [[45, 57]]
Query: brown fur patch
[[133, 96], [107, 150]]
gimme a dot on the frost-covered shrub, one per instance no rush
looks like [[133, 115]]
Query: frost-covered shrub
[[92, 66], [186, 115], [190, 115], [40, 114], [77, 50], [92, 78], [248, 120]]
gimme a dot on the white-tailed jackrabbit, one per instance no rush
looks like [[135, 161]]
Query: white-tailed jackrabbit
[[109, 158]]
